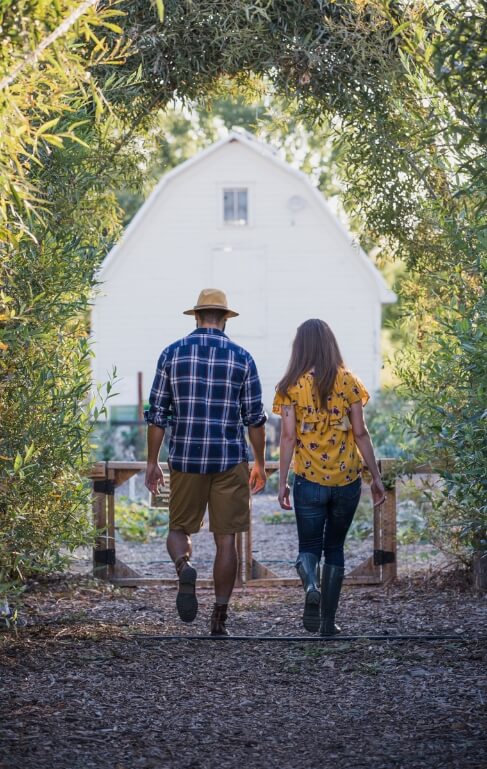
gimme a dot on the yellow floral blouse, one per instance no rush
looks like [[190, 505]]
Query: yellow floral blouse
[[325, 450]]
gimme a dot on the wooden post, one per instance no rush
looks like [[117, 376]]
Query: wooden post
[[100, 567], [99, 522], [479, 571], [377, 514], [253, 569], [248, 548], [388, 523], [369, 571], [110, 503]]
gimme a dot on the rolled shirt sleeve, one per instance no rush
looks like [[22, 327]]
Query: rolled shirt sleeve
[[160, 399], [252, 407]]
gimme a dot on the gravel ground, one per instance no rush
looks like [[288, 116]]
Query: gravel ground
[[85, 685], [94, 681]]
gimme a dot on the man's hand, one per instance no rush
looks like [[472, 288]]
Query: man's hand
[[258, 478], [378, 491], [154, 477], [283, 497]]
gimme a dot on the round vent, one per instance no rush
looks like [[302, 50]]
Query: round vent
[[296, 203]]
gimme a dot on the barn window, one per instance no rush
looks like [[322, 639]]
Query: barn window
[[236, 206]]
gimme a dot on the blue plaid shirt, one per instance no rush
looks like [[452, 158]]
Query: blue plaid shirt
[[206, 388]]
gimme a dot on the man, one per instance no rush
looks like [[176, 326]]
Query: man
[[206, 388]]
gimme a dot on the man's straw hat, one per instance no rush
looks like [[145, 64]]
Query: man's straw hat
[[212, 299]]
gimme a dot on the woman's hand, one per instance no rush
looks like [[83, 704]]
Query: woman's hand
[[154, 477], [378, 491], [283, 497]]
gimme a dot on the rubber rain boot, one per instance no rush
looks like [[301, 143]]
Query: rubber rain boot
[[331, 585], [306, 566]]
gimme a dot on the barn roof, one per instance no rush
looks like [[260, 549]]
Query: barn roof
[[249, 140]]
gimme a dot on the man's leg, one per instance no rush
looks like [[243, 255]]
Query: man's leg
[[229, 507], [225, 567], [187, 502], [179, 546], [224, 573]]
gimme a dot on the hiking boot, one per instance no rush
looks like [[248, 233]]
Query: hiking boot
[[307, 565], [331, 585], [186, 601], [218, 619]]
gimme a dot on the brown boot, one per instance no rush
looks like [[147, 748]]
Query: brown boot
[[218, 619]]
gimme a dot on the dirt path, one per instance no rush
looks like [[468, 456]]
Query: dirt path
[[85, 692]]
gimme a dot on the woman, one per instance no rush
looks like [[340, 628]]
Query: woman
[[320, 403]]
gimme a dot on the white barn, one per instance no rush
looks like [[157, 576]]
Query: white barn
[[239, 218]]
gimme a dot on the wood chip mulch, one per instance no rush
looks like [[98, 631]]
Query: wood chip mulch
[[84, 685]]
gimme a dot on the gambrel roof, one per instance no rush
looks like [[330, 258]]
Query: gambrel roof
[[386, 296]]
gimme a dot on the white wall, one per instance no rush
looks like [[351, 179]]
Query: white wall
[[280, 270]]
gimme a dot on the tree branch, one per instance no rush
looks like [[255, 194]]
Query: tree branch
[[55, 34]]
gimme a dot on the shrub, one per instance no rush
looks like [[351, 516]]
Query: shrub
[[385, 417], [450, 421]]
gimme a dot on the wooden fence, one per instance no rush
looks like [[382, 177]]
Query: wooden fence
[[379, 568]]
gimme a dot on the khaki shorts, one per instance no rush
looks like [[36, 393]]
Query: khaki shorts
[[226, 494]]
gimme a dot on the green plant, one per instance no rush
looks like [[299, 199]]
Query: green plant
[[414, 509], [450, 422], [386, 422], [57, 219], [279, 517], [363, 523], [137, 523]]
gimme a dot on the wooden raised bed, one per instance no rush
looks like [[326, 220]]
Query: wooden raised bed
[[379, 568]]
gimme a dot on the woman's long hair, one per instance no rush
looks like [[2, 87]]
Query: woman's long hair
[[315, 347]]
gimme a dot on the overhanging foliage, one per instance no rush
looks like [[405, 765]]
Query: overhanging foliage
[[400, 83]]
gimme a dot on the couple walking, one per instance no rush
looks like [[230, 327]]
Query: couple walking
[[207, 390]]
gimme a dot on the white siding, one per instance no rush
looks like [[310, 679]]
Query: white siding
[[281, 269]]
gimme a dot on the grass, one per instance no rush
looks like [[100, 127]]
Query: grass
[[278, 518]]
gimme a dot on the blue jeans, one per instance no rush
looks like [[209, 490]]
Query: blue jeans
[[323, 516]]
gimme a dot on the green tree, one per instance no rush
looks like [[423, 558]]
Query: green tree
[[57, 218], [401, 87]]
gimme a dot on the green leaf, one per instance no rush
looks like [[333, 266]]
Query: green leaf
[[56, 141], [18, 462], [405, 25], [46, 126], [160, 10], [29, 452], [113, 27]]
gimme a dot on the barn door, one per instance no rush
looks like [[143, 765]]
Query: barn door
[[242, 274]]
